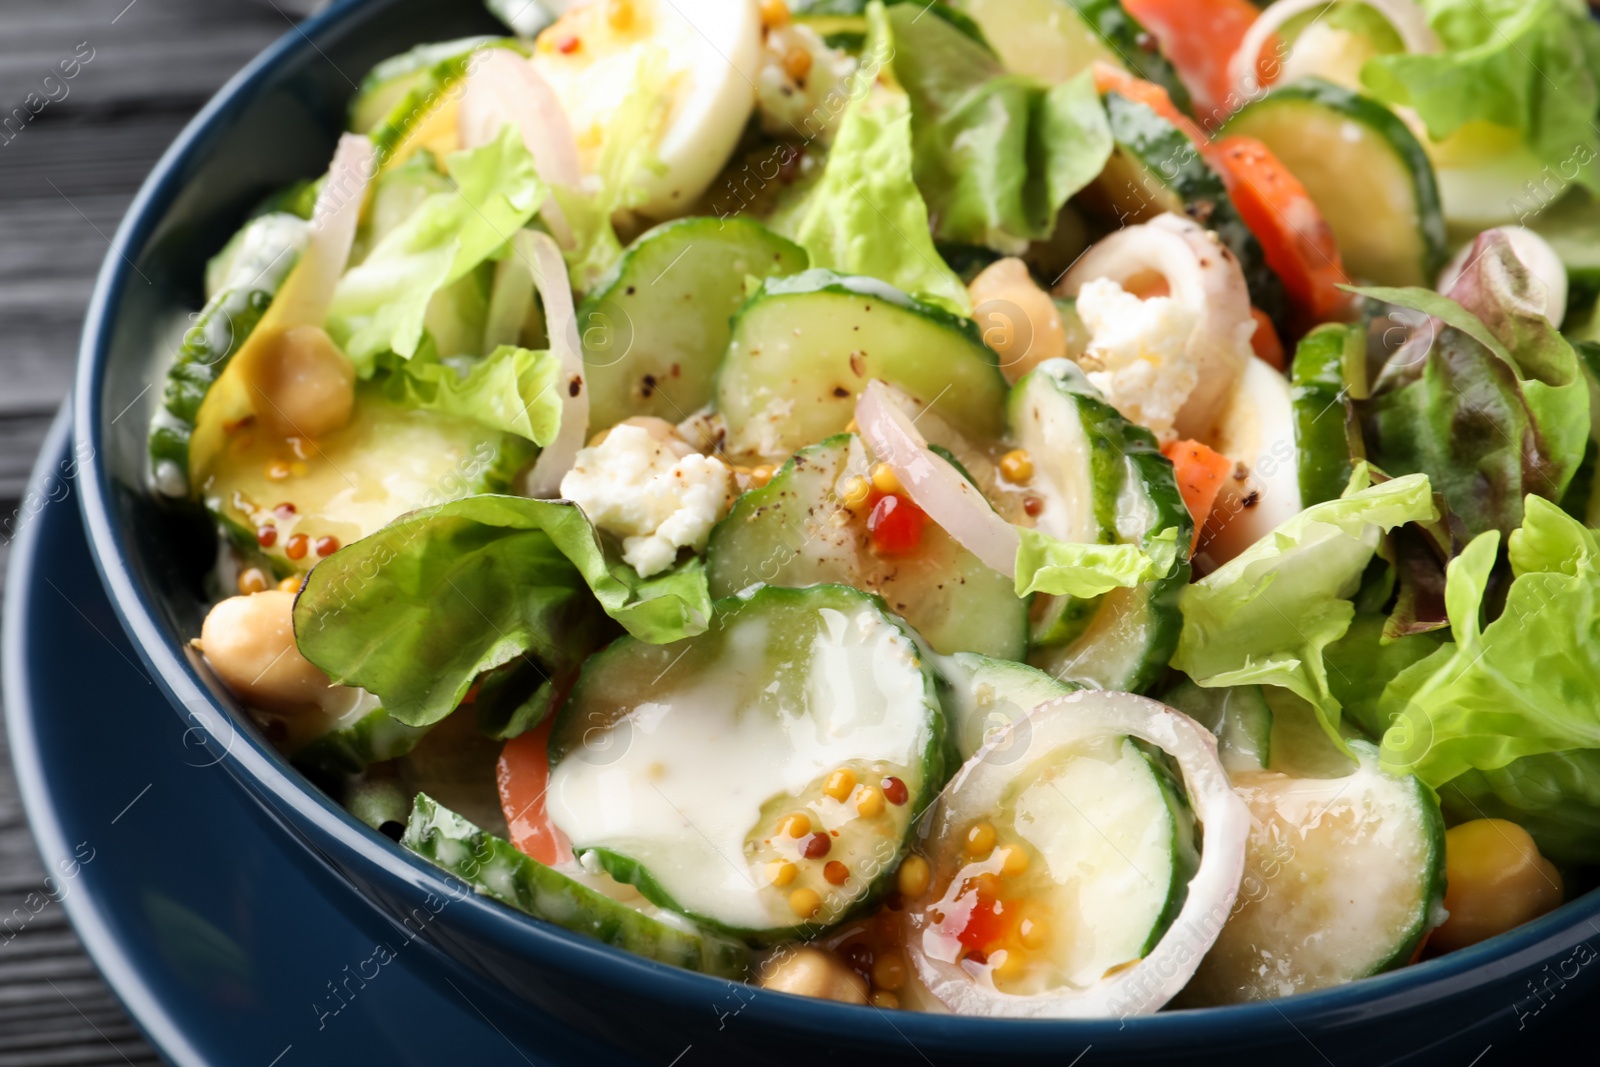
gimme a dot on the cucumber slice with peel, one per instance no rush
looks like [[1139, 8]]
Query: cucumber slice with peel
[[494, 868], [357, 740], [803, 348], [1345, 876], [655, 328], [1321, 387], [1238, 715], [1365, 169], [1065, 879], [1100, 479], [983, 695], [742, 776], [809, 526]]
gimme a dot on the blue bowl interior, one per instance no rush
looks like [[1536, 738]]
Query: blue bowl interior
[[276, 123]]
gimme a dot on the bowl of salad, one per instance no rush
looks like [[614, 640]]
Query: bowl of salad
[[922, 529]]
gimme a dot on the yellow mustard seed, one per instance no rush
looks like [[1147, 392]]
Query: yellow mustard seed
[[840, 784], [1016, 466]]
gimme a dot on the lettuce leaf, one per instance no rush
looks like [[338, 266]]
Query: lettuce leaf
[[1500, 408], [511, 389], [1555, 796], [1064, 568], [1523, 685], [1267, 616], [1363, 662], [381, 305], [865, 215], [1530, 66], [417, 612], [996, 153]]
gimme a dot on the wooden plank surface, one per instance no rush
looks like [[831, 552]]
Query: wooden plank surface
[[65, 180]]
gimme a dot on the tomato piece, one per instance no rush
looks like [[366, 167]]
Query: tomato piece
[[1265, 342], [895, 524], [1109, 79], [987, 924], [523, 776], [1297, 241], [1199, 37], [1201, 472]]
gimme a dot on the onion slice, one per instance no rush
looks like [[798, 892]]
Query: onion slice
[[1205, 277], [503, 87], [933, 484], [550, 278], [307, 293], [1408, 20], [1152, 981]]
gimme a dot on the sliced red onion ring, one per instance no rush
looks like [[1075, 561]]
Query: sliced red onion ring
[[1408, 20], [933, 484], [1201, 274], [504, 87], [308, 292], [555, 290], [1155, 979]]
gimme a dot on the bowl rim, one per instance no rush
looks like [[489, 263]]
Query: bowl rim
[[263, 772]]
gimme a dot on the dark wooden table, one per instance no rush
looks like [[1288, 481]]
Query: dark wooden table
[[65, 180]]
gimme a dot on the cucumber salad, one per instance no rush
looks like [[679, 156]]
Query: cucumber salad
[[1027, 508]]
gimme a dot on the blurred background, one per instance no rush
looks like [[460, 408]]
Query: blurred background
[[67, 174]]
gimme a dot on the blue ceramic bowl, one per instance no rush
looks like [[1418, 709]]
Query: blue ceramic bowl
[[277, 122]]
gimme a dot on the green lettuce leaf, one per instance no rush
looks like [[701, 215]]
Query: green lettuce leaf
[[417, 612], [381, 305], [1522, 685], [1267, 616], [511, 389], [997, 154], [1555, 796], [865, 215], [1363, 662], [1064, 568], [1500, 408], [1530, 66]]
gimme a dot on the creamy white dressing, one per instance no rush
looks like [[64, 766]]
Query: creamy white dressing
[[683, 787]]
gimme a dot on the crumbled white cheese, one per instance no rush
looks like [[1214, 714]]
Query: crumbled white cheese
[[640, 489], [806, 107], [1137, 354]]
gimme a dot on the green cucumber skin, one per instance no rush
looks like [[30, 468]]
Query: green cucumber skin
[[936, 765], [494, 868], [374, 738], [1433, 898], [220, 330], [1185, 849], [633, 285], [1317, 391], [779, 511], [1425, 189], [1129, 39], [1168, 155], [1153, 472], [431, 82]]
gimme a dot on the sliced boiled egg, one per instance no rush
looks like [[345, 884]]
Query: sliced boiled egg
[[702, 55], [1256, 431]]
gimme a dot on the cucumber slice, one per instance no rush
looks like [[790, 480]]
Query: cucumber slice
[[678, 766], [1324, 419], [801, 530], [982, 695], [1044, 39], [245, 276], [1238, 715], [1059, 855], [1365, 169], [1100, 479], [655, 328], [494, 868], [365, 736], [1343, 878], [386, 461], [803, 348], [1134, 47], [1155, 169]]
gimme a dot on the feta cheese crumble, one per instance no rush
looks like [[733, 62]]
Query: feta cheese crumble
[[1137, 353], [657, 496]]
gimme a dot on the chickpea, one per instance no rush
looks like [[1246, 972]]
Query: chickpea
[[1496, 880], [302, 384], [1016, 318], [249, 642], [811, 972]]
